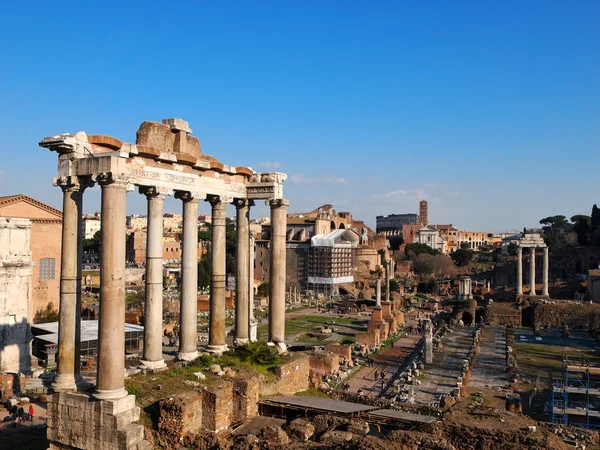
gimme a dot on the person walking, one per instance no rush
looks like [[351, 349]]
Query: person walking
[[376, 375], [31, 413]]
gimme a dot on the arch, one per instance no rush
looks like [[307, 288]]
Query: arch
[[333, 225], [342, 226]]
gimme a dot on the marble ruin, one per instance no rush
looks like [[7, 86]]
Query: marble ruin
[[533, 242], [165, 160]]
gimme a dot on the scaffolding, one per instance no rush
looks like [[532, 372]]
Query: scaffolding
[[575, 396]]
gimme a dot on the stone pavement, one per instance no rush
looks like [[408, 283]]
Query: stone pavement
[[390, 361], [489, 368], [439, 378]]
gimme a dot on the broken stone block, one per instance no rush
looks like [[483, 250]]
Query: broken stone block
[[358, 427], [275, 434], [301, 429], [215, 368], [336, 437], [199, 376]]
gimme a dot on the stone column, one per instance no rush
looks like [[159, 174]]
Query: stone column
[[387, 280], [188, 322], [277, 275], [251, 321], [378, 293], [545, 273], [216, 337], [153, 314], [519, 270], [111, 334], [428, 332], [242, 276], [67, 325], [532, 272]]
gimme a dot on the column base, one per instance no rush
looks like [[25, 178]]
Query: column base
[[280, 346], [113, 394], [64, 383], [216, 349], [240, 342], [187, 356], [153, 365]]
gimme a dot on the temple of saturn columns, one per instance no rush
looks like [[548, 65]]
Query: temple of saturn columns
[[533, 242], [165, 160]]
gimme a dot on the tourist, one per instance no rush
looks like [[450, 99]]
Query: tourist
[[31, 413], [21, 414], [376, 375]]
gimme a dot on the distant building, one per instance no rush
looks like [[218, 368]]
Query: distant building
[[473, 240], [136, 222], [593, 285], [423, 213], [16, 267], [431, 237], [392, 225], [45, 244], [136, 249], [90, 225]]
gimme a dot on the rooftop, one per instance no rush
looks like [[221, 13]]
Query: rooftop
[[89, 330]]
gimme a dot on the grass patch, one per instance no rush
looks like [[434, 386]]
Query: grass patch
[[312, 393]]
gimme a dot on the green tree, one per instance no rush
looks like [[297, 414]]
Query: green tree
[[555, 225], [415, 249], [396, 242], [462, 257], [263, 289], [394, 285], [595, 219], [581, 226], [46, 315]]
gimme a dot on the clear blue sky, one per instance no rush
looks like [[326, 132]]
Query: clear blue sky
[[489, 110]]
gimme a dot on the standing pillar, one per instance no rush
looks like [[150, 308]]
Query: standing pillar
[[69, 269], [242, 267], [387, 281], [253, 326], [277, 274], [216, 337], [532, 272], [188, 322], [153, 358], [111, 334], [378, 293], [545, 273], [519, 270]]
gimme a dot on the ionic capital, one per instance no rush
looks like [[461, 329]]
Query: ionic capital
[[189, 196], [155, 192], [277, 202], [112, 178], [242, 203], [217, 200], [73, 183]]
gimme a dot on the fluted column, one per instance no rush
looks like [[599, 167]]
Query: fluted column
[[532, 272], [545, 273], [153, 314], [242, 268], [277, 274], [111, 334], [519, 270], [216, 336], [67, 325], [188, 321]]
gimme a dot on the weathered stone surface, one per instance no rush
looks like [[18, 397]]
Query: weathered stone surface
[[358, 427], [274, 434], [336, 437], [446, 401], [301, 429]]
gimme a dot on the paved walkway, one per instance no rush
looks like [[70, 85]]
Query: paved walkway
[[390, 361], [489, 368], [439, 378]]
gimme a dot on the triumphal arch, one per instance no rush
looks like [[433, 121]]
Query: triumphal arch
[[164, 160]]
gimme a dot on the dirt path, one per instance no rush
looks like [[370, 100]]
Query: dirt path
[[389, 361], [489, 368]]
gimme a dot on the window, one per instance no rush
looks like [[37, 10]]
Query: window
[[47, 268]]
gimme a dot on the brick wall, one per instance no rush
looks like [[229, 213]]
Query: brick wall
[[326, 364], [180, 415], [245, 398], [291, 378], [343, 351], [217, 407]]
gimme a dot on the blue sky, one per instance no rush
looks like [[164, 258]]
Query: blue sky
[[489, 110]]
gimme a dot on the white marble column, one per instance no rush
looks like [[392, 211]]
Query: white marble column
[[216, 336], [153, 333], [545, 273], [67, 334], [378, 293], [532, 272], [253, 325], [242, 276], [111, 335], [188, 322], [387, 280], [519, 270], [277, 275]]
